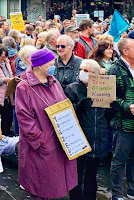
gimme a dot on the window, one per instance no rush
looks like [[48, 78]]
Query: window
[[12, 6]]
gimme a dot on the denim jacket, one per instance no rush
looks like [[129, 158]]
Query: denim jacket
[[67, 74]]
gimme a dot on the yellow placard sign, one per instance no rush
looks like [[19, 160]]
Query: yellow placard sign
[[68, 130], [17, 21]]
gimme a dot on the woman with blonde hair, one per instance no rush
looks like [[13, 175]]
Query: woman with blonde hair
[[108, 37], [25, 55], [27, 41], [38, 30], [41, 42]]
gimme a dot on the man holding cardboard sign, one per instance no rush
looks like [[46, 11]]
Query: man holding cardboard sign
[[124, 107], [94, 125], [102, 89]]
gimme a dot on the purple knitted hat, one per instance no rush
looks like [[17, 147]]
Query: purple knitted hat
[[41, 57]]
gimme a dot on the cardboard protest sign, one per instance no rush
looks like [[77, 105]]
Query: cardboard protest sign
[[11, 86], [68, 130], [17, 21], [102, 89], [80, 17]]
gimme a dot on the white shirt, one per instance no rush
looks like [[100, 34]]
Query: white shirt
[[7, 145], [129, 67]]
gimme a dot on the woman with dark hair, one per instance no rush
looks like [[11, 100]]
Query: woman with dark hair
[[17, 66], [6, 109], [103, 53]]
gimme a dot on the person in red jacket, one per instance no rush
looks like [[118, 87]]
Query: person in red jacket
[[79, 49]]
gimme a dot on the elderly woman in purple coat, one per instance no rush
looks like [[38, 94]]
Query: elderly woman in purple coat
[[44, 169]]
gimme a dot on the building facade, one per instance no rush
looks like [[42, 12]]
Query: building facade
[[31, 9], [9, 6]]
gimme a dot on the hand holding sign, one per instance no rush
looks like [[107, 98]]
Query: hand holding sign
[[102, 90]]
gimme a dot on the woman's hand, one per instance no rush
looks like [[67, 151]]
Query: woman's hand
[[103, 71]]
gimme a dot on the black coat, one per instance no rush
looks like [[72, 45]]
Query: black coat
[[67, 74], [92, 120]]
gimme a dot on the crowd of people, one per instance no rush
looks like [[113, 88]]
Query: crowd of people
[[51, 61]]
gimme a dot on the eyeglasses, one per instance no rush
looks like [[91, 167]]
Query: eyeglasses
[[62, 46], [110, 46]]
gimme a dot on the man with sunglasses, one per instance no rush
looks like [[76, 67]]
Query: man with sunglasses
[[67, 64]]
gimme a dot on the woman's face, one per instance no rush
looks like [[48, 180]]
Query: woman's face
[[42, 40], [3, 57], [28, 61], [108, 52], [46, 66]]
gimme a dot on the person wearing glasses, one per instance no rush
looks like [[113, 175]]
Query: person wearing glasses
[[67, 64], [104, 54]]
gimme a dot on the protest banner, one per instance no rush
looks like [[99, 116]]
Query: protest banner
[[80, 17], [68, 130], [118, 26], [11, 86], [102, 90], [17, 21]]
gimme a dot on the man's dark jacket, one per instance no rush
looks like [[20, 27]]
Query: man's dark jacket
[[124, 95], [67, 74], [92, 120]]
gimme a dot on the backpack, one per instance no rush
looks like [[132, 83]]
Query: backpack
[[13, 63]]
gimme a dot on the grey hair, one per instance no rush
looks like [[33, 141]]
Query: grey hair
[[26, 51], [9, 42], [43, 34], [124, 44], [67, 38], [95, 67], [51, 34], [14, 34]]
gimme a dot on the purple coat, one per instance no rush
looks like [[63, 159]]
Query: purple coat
[[44, 169]]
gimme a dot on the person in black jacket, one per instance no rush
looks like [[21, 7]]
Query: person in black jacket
[[94, 124], [67, 64]]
